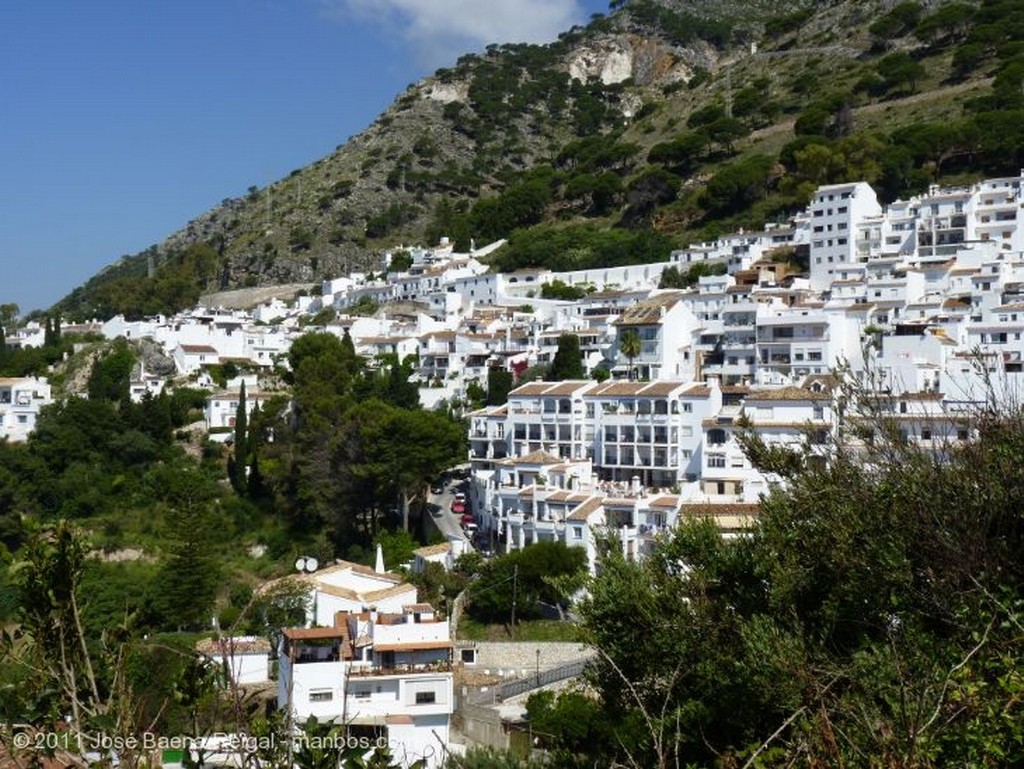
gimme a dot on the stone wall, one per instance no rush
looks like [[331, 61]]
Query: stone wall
[[519, 659], [481, 726]]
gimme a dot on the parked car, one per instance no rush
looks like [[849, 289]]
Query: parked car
[[460, 497], [437, 488], [468, 519], [458, 507]]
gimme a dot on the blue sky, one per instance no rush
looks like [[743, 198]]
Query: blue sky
[[120, 120]]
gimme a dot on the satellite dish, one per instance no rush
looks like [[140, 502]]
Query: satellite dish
[[312, 564], [300, 564]]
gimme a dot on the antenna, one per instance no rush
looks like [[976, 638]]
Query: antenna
[[306, 564]]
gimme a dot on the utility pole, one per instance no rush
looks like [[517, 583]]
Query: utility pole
[[515, 589], [291, 712]]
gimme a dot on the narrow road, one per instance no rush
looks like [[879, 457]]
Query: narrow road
[[448, 523]]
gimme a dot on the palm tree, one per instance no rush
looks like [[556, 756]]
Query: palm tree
[[629, 345]]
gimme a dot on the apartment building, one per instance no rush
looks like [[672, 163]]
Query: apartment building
[[665, 325], [834, 213]]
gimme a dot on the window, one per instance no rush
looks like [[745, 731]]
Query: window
[[687, 408], [716, 460], [926, 434], [577, 532], [468, 656], [321, 695], [426, 698], [362, 694]]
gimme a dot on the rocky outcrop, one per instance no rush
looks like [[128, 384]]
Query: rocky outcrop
[[644, 60], [153, 358]]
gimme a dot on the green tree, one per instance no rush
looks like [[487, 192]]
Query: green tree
[[9, 313], [186, 584], [401, 261], [401, 450], [568, 360], [630, 346], [110, 377], [899, 69], [525, 577], [60, 680], [241, 442], [499, 383], [878, 593]]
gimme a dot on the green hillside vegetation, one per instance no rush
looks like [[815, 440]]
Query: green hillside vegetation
[[587, 174], [874, 616], [176, 533]]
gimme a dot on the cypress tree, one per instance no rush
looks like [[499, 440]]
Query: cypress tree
[[241, 441]]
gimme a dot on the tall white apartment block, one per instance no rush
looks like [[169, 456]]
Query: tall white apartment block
[[834, 212]]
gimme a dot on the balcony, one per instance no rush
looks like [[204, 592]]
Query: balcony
[[369, 670]]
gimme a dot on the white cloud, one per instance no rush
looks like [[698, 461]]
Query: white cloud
[[439, 31]]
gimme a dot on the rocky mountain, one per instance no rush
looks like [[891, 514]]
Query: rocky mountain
[[618, 127]]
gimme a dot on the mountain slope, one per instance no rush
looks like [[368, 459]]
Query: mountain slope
[[664, 121]]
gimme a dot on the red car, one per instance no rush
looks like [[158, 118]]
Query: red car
[[467, 519], [458, 507]]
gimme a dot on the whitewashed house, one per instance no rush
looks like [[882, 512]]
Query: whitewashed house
[[21, 399], [387, 675], [221, 408], [245, 659], [665, 325]]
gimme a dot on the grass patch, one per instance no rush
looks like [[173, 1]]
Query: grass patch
[[527, 630]]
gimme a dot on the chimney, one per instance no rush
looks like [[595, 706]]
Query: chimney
[[379, 567]]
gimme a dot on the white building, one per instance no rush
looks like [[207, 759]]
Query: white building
[[222, 408], [21, 399], [387, 675], [834, 214], [665, 325], [246, 659]]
